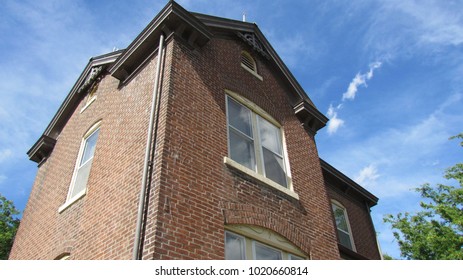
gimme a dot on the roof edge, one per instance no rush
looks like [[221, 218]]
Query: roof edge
[[44, 145], [370, 198]]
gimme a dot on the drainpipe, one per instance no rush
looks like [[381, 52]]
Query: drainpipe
[[147, 162], [376, 235]]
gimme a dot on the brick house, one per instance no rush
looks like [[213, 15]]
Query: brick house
[[195, 142]]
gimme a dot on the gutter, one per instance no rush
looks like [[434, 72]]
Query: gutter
[[148, 164]]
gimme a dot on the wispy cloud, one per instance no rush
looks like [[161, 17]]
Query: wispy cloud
[[367, 176], [5, 154], [407, 156], [2, 178], [360, 80], [335, 123]]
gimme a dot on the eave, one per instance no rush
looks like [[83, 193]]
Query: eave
[[348, 184], [172, 18], [44, 146]]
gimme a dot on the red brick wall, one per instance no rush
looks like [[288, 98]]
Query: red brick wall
[[363, 231], [195, 193], [101, 224]]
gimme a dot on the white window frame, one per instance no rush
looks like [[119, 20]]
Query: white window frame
[[70, 199], [351, 238], [258, 171]]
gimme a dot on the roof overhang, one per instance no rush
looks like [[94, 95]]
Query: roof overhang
[[172, 18], [348, 184], [96, 66]]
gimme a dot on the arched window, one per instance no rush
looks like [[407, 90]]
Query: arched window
[[245, 242], [342, 225], [78, 186]]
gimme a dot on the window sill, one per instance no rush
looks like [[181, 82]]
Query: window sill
[[89, 102], [233, 164], [71, 201], [252, 72]]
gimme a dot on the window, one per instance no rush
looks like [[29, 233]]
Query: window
[[248, 63], [256, 143], [342, 225], [255, 243], [84, 163]]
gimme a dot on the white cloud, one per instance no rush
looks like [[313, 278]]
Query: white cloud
[[360, 80], [5, 154], [367, 176], [335, 123], [2, 178]]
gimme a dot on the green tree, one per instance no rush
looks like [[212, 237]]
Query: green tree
[[8, 225], [435, 232]]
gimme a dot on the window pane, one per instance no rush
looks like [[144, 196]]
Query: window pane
[[270, 136], [340, 218], [234, 247], [242, 150], [81, 178], [266, 253], [239, 117], [89, 148], [344, 239], [274, 167]]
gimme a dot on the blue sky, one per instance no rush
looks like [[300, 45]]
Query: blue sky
[[389, 75]]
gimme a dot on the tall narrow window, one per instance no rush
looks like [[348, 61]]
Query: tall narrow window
[[84, 164], [255, 143], [342, 225]]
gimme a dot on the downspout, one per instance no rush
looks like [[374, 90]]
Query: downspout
[[147, 162], [376, 236]]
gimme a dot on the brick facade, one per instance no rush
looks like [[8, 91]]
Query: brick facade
[[193, 194]]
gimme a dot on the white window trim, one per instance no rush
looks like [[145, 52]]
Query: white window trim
[[266, 237], [88, 103], [71, 200], [258, 157], [351, 237], [228, 161]]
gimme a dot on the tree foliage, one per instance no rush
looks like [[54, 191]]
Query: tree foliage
[[435, 232], [8, 225]]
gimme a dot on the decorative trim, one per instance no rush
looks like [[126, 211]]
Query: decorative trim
[[91, 78], [310, 117], [41, 149], [254, 42]]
